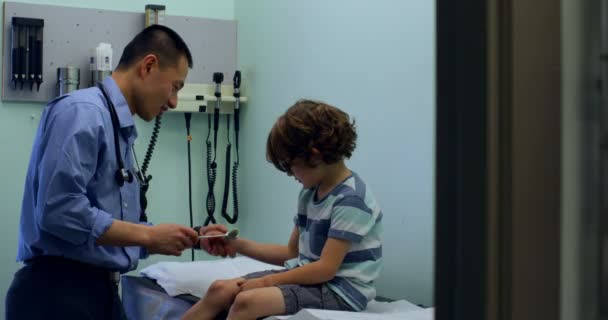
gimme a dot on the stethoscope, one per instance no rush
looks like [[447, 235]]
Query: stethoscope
[[123, 174]]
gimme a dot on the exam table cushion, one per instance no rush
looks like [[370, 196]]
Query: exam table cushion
[[168, 289]]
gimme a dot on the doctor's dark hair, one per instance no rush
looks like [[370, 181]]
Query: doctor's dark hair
[[309, 124], [159, 40]]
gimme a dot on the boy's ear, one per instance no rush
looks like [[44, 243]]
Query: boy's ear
[[315, 155]]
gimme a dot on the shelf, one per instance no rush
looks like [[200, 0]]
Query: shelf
[[196, 97]]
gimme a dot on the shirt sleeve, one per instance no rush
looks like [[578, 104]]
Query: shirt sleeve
[[143, 253], [67, 163], [351, 219]]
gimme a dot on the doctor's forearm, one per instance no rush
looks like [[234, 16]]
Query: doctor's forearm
[[123, 233]]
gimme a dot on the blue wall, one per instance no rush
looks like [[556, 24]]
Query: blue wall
[[375, 60]]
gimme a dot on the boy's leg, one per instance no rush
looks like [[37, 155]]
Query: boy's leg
[[219, 297], [256, 303]]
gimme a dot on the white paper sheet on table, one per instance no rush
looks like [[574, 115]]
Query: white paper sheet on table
[[195, 277]]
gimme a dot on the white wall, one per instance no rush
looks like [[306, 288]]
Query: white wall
[[375, 60]]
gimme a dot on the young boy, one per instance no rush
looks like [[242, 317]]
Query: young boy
[[334, 252]]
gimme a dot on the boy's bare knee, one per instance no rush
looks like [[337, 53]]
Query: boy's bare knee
[[216, 286], [222, 288], [243, 302]]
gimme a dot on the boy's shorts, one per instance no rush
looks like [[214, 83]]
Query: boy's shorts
[[298, 297]]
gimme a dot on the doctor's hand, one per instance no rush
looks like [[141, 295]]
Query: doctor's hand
[[170, 239], [216, 246]]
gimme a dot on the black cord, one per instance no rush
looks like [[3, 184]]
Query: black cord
[[211, 176], [235, 201], [235, 167], [188, 116], [218, 77], [236, 132], [153, 139], [143, 200], [231, 219]]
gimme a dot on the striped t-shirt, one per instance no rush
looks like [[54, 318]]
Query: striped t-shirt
[[348, 212]]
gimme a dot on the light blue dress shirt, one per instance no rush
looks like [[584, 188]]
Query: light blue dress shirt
[[71, 196]]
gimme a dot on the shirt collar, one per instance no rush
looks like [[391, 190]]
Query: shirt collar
[[125, 118]]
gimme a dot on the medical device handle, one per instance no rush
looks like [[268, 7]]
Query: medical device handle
[[237, 96], [237, 81], [218, 77]]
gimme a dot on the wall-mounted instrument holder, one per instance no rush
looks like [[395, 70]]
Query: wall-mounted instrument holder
[[200, 97], [26, 53], [155, 14], [71, 32]]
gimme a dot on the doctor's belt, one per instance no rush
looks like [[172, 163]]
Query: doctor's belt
[[55, 262]]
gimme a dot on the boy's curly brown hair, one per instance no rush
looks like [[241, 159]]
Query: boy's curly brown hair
[[310, 124]]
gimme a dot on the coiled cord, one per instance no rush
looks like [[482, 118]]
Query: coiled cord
[[231, 219], [235, 200], [143, 200], [151, 145], [211, 176]]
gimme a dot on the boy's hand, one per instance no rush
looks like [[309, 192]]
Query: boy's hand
[[253, 283], [216, 246]]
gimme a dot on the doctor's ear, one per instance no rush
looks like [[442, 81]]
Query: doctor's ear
[[148, 66], [148, 62]]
